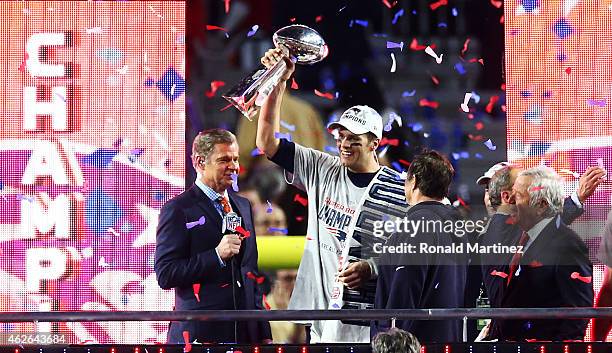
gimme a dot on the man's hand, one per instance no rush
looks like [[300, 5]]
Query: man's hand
[[589, 181], [273, 56], [356, 274], [229, 246]]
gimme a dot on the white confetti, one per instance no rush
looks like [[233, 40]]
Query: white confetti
[[431, 52], [393, 64], [466, 99]]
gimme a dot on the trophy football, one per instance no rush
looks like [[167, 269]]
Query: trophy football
[[302, 43]]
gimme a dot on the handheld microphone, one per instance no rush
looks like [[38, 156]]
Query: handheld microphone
[[231, 221]]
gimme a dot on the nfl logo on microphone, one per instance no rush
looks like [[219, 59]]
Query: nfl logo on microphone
[[232, 221]]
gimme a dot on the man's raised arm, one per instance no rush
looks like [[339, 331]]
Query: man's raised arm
[[269, 117]]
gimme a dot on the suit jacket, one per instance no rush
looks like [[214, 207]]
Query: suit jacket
[[500, 230], [184, 257], [421, 280], [547, 278]]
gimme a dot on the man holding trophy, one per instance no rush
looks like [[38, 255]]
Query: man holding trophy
[[335, 272]]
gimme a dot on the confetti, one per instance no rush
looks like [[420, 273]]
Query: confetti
[[460, 69], [465, 46], [536, 188], [576, 275], [414, 45], [423, 102], [497, 3], [455, 12], [535, 264], [391, 142], [499, 273], [393, 45], [227, 5], [409, 93], [187, 347], [234, 177], [280, 135], [214, 86], [256, 152], [434, 6], [324, 95], [600, 103], [319, 18], [217, 28], [490, 145], [393, 62], [25, 198], [294, 84], [112, 231], [280, 230], [397, 15], [245, 233], [431, 53], [388, 4], [266, 304], [568, 70], [300, 200], [200, 222], [196, 291], [492, 101], [466, 99], [363, 23], [435, 79], [253, 31], [269, 210], [442, 25], [287, 126]]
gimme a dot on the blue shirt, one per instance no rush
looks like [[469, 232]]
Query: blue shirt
[[214, 197]]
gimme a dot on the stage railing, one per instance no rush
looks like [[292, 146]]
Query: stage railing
[[305, 315]]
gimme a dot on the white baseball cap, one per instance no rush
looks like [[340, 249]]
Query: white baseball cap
[[489, 173], [359, 120]]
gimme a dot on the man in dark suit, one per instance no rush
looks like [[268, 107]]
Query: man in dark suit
[[552, 268], [427, 277], [210, 270]]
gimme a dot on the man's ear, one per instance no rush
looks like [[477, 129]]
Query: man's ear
[[374, 144], [505, 196]]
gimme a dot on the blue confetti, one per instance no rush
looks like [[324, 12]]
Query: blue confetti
[[171, 84], [530, 5], [490, 145], [335, 306], [269, 209], [475, 97], [363, 23], [456, 156], [287, 126], [280, 135], [235, 182], [454, 12], [100, 158], [397, 16], [331, 149], [256, 152], [459, 68], [562, 28], [253, 31], [416, 127], [396, 166], [364, 80], [393, 45], [112, 55], [414, 12], [281, 230], [409, 94], [478, 155], [464, 154], [442, 25]]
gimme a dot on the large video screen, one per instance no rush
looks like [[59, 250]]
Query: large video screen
[[91, 146], [559, 80]]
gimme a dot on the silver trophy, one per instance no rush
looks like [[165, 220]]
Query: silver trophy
[[298, 41]]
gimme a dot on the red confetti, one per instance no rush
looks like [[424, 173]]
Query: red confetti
[[300, 200], [435, 80], [266, 304], [294, 84], [492, 101], [497, 3], [479, 126], [245, 233], [224, 285], [536, 188], [389, 5], [292, 19], [324, 95], [214, 86], [392, 142], [465, 46], [568, 70], [23, 63], [435, 5], [406, 163], [511, 220], [576, 275], [501, 19], [187, 343], [535, 264], [259, 279], [299, 218], [503, 86], [426, 103], [462, 202], [414, 45], [499, 273], [196, 291], [473, 60], [227, 5], [475, 137], [215, 28], [318, 18], [227, 106]]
